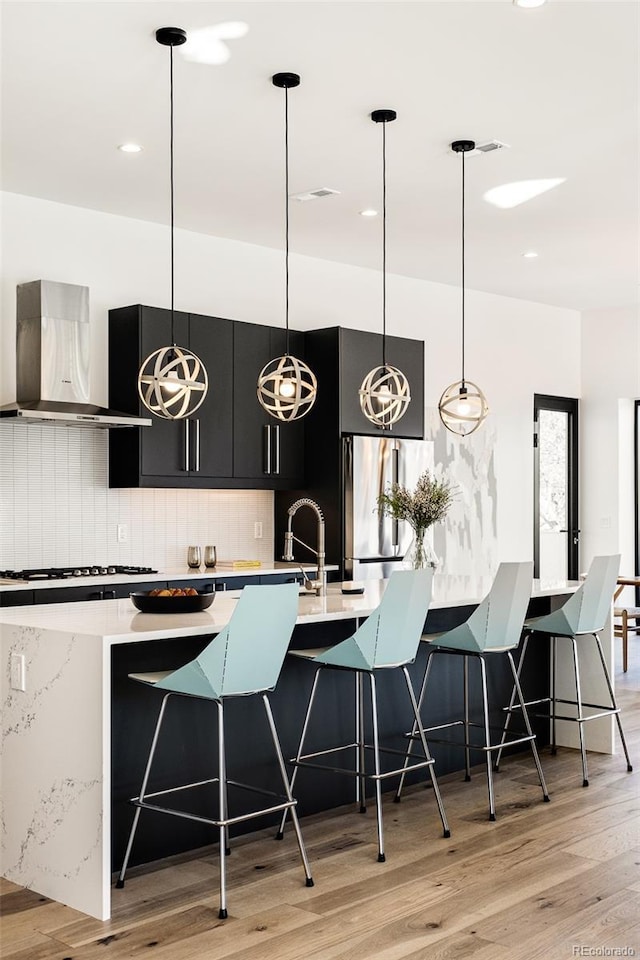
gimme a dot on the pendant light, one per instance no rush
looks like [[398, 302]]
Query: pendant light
[[384, 393], [463, 406], [172, 381], [287, 387]]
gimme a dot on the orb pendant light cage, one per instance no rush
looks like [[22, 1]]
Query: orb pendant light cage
[[172, 381], [287, 387], [463, 406], [384, 393]]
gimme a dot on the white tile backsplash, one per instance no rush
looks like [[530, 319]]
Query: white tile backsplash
[[56, 508]]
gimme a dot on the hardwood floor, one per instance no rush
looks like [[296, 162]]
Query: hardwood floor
[[541, 883]]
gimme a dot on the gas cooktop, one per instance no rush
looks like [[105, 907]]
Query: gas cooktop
[[65, 573]]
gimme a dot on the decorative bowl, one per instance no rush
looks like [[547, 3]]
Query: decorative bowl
[[189, 604]]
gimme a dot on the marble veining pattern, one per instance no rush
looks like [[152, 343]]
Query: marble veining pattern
[[54, 825]]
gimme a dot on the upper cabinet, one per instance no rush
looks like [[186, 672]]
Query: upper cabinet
[[229, 441], [341, 359], [192, 452], [263, 448]]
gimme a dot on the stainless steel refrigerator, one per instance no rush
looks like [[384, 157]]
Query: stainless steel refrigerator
[[375, 545]]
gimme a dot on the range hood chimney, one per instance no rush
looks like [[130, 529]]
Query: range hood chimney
[[52, 356]]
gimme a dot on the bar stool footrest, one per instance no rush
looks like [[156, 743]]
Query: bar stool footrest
[[282, 804], [305, 761]]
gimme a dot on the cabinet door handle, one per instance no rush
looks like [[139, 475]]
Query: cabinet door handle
[[276, 457], [185, 465], [98, 595], [267, 449], [197, 444], [108, 595]]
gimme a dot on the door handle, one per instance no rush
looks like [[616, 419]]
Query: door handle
[[276, 450], [108, 595], [266, 457], [197, 444], [98, 595], [395, 475], [185, 465]]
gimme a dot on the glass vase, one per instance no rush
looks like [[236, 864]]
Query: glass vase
[[420, 553]]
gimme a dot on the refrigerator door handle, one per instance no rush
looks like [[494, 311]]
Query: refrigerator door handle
[[395, 526]]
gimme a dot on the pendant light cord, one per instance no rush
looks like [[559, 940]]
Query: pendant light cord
[[463, 279], [384, 244], [286, 217], [171, 187]]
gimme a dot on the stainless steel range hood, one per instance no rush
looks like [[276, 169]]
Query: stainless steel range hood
[[52, 356]]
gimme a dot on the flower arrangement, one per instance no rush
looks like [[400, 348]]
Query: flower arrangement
[[427, 504]]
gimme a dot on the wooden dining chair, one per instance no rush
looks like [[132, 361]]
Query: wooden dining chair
[[625, 621]]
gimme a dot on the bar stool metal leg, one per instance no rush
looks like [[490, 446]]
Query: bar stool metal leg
[[143, 790], [487, 740], [280, 833], [222, 802], [287, 789], [361, 790], [580, 718], [512, 701], [465, 694], [613, 702], [554, 674], [376, 763], [417, 724], [527, 723], [425, 747]]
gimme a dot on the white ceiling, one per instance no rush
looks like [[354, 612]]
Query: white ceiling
[[559, 84]]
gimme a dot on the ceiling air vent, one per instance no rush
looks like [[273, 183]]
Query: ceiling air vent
[[315, 194], [490, 145]]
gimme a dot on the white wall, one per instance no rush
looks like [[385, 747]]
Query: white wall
[[610, 381], [514, 348]]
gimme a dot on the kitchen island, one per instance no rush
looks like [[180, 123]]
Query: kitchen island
[[72, 736]]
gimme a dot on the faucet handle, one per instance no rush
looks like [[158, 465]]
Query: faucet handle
[[288, 547]]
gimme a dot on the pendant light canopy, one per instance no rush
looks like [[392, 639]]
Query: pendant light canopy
[[287, 387], [172, 381], [463, 406], [384, 393]]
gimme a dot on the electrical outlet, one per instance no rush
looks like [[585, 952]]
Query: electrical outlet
[[18, 679], [123, 533], [257, 530]]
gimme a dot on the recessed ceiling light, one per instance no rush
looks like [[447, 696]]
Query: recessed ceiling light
[[207, 44], [130, 147], [530, 255], [512, 194], [529, 4], [368, 213]]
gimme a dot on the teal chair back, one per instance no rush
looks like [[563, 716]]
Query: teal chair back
[[391, 634], [587, 609], [247, 655], [497, 622]]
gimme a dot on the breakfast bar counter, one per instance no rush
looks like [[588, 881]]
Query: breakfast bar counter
[[74, 726]]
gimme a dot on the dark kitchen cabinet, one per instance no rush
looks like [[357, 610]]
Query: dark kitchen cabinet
[[16, 598], [342, 358], [264, 449], [195, 452]]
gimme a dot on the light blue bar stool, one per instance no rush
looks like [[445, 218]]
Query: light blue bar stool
[[494, 627], [387, 640], [244, 659], [583, 615]]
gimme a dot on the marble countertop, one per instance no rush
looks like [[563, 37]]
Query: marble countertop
[[118, 621], [220, 572]]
